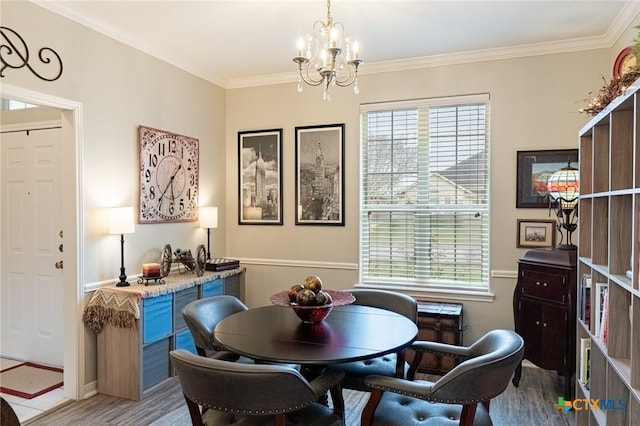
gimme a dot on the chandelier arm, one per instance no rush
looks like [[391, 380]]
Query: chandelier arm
[[349, 79], [308, 79]]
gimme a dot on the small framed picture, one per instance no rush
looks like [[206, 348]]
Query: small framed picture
[[536, 233], [260, 177], [320, 175]]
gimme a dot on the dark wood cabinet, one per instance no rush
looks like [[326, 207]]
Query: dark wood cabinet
[[545, 313]]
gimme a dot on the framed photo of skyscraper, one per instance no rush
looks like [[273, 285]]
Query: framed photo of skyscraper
[[320, 175], [260, 177]]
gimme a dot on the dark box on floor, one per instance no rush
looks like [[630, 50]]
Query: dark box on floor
[[438, 322]]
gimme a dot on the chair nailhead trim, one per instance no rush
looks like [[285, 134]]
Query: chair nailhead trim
[[426, 398], [250, 412]]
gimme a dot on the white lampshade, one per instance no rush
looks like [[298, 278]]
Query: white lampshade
[[208, 217], [121, 221]]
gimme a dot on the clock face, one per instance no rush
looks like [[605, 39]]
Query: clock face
[[168, 177]]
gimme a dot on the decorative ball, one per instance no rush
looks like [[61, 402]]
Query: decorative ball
[[322, 298], [306, 297], [293, 292], [313, 283]]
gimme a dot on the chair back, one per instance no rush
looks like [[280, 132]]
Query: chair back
[[389, 300], [485, 374], [252, 389], [8, 417], [203, 315]]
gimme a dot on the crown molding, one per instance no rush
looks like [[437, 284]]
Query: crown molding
[[624, 19], [457, 58], [148, 48]]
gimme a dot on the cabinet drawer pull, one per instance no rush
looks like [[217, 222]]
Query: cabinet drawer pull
[[544, 324], [537, 282], [537, 322], [544, 284]]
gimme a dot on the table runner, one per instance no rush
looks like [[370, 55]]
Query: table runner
[[120, 306]]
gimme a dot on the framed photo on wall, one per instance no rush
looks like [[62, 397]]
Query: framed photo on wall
[[534, 169], [260, 177], [320, 175], [536, 233]]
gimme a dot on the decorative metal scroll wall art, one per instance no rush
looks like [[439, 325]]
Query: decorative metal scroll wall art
[[14, 53]]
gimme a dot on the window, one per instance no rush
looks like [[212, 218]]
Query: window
[[10, 105], [424, 221]]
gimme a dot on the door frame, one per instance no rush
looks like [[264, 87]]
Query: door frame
[[73, 288]]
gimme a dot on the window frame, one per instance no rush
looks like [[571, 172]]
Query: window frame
[[408, 285]]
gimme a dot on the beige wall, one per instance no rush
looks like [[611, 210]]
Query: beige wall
[[120, 88], [534, 103], [533, 106]]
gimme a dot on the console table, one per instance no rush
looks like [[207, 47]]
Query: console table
[[137, 327]]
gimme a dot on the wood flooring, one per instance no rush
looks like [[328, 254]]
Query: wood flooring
[[532, 403]]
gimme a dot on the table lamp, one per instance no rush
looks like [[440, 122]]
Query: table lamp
[[563, 186], [208, 219], [121, 222]]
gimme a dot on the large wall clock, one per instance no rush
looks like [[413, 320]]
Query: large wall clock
[[168, 176]]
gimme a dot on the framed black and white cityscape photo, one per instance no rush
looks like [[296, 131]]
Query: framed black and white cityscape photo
[[320, 175], [260, 177]]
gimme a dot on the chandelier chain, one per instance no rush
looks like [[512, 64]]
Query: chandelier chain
[[329, 11]]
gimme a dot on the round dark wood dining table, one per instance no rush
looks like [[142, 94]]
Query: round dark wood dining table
[[350, 333]]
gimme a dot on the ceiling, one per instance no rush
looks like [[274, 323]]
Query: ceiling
[[244, 43]]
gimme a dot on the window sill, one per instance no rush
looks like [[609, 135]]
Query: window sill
[[434, 294]]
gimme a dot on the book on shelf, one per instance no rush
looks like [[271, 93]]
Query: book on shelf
[[584, 308], [604, 328], [222, 264], [601, 302], [585, 361]]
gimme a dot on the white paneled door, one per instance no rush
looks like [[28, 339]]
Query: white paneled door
[[32, 241]]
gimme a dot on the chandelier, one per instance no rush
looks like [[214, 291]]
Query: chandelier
[[320, 60], [564, 188]]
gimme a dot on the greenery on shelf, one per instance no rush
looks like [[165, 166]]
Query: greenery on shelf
[[617, 86]]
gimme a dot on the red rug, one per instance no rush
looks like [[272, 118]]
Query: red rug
[[29, 380]]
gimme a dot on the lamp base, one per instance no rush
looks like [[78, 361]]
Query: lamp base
[[123, 278]]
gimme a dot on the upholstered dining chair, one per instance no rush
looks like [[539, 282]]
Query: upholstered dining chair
[[203, 315], [392, 365], [218, 392], [460, 397]]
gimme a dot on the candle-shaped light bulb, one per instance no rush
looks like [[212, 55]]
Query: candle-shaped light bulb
[[300, 46], [355, 47], [333, 36]]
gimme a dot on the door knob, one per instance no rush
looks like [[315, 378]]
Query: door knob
[[59, 264]]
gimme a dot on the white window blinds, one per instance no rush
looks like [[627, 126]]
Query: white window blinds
[[424, 193]]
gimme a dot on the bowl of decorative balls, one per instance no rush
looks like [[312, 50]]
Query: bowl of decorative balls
[[310, 301]]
